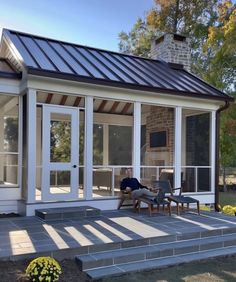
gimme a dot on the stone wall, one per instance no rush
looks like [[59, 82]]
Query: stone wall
[[172, 48], [160, 119]]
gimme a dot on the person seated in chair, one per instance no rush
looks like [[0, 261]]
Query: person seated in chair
[[131, 184]]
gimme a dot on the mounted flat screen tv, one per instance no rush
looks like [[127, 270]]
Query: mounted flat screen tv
[[158, 139]]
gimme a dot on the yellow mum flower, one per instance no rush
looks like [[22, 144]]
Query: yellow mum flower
[[229, 210], [43, 269]]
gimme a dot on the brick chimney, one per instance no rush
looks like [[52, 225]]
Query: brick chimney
[[172, 48]]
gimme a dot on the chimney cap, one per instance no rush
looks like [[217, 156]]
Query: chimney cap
[[177, 37], [176, 66]]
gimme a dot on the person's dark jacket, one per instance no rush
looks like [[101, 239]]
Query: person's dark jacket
[[131, 182]]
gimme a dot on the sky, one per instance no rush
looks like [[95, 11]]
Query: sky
[[94, 23]]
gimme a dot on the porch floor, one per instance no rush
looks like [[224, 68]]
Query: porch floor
[[27, 237]]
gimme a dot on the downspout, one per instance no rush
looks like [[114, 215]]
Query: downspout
[[217, 162]]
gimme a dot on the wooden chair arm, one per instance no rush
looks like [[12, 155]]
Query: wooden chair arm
[[179, 188], [124, 193], [154, 189]]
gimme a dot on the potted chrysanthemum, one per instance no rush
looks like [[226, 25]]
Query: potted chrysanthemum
[[43, 269]]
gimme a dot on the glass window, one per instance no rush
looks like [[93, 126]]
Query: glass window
[[9, 138]]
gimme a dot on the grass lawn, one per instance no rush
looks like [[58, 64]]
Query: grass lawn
[[213, 270], [228, 198]]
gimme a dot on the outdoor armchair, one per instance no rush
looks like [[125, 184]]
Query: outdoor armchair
[[162, 188], [181, 199], [169, 195]]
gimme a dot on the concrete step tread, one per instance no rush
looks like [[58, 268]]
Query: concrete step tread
[[120, 269], [67, 213], [156, 247]]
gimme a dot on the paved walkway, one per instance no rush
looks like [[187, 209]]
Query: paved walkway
[[23, 237]]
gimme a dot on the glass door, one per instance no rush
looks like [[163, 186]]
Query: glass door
[[60, 152]]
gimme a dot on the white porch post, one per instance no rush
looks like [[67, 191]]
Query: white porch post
[[213, 148], [88, 176], [2, 147], [178, 135], [31, 145], [136, 139]]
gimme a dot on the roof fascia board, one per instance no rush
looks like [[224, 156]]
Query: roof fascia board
[[105, 92], [72, 77]]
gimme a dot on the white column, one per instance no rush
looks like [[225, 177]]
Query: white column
[[178, 135], [20, 144], [31, 145], [88, 152], [213, 149], [137, 139], [2, 146]]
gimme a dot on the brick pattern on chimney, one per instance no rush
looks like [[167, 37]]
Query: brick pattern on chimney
[[172, 50], [160, 119]]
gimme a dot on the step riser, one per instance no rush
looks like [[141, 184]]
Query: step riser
[[67, 213], [162, 240], [155, 252], [99, 273]]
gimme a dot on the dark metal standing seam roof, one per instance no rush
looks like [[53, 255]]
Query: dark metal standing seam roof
[[49, 57]]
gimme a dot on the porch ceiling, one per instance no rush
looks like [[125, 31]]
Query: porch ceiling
[[100, 106]]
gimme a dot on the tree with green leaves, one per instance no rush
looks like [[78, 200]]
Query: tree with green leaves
[[228, 139], [138, 40], [210, 26], [220, 49], [11, 134], [188, 17], [60, 141]]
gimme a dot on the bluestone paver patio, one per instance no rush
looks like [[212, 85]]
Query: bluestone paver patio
[[27, 237]]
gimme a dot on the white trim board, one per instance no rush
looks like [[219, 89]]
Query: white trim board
[[77, 88]]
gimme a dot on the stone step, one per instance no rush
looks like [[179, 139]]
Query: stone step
[[115, 270], [67, 213], [146, 252], [160, 239]]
